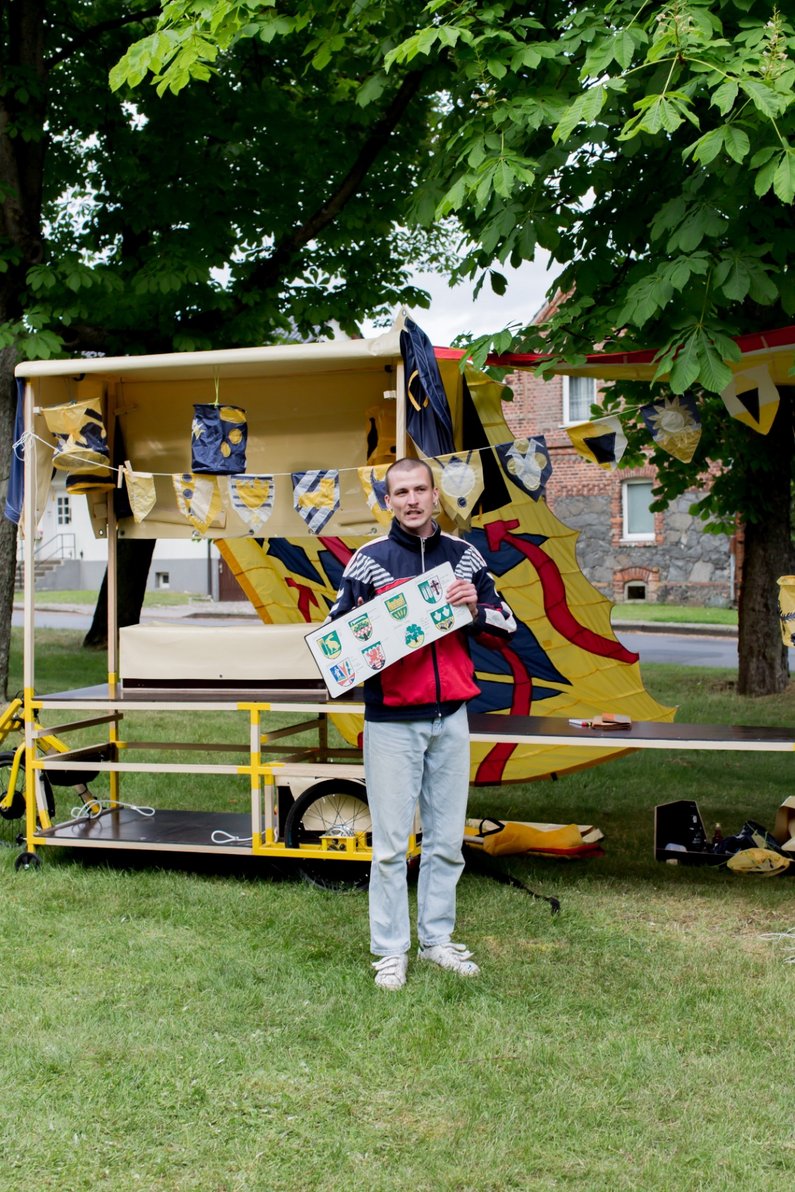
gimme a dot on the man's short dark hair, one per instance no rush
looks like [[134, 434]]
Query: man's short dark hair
[[408, 465]]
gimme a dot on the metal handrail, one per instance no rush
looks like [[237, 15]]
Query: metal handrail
[[60, 546]]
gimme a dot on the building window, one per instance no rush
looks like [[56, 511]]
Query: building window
[[579, 394], [638, 518], [636, 590], [63, 511], [162, 579]]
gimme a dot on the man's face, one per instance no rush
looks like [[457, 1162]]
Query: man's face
[[411, 498]]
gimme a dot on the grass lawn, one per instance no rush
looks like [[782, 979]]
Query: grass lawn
[[158, 599], [672, 613], [178, 1030], [634, 611]]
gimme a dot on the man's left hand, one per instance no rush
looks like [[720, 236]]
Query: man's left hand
[[463, 591]]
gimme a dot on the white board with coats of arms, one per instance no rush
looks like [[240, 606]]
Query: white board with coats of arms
[[371, 637]]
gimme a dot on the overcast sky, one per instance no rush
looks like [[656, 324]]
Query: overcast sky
[[453, 311]]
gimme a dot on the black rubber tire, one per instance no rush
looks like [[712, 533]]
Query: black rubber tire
[[27, 861], [17, 808], [320, 807]]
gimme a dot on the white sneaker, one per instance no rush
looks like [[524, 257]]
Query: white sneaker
[[390, 971], [454, 957]]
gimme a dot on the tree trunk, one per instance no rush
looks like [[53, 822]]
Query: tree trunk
[[134, 559], [763, 668], [8, 530]]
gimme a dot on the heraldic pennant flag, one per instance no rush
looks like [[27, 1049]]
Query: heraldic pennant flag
[[316, 496], [752, 397], [373, 481], [527, 463], [674, 424], [251, 498], [141, 493], [428, 419], [602, 441], [459, 479], [198, 499]]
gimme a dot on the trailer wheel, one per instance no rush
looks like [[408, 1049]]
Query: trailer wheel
[[334, 805], [27, 861], [12, 803]]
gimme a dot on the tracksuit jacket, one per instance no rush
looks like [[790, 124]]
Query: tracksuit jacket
[[437, 678]]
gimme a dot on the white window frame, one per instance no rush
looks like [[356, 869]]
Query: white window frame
[[63, 510], [626, 534], [568, 419]]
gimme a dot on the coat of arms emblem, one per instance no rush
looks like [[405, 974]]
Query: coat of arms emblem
[[415, 636], [397, 607], [431, 590], [362, 627], [374, 656], [331, 645], [343, 673], [443, 618]]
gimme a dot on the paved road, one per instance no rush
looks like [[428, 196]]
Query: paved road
[[684, 649]]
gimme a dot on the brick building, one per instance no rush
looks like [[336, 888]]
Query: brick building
[[624, 549]]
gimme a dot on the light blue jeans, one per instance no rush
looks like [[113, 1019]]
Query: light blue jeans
[[406, 762]]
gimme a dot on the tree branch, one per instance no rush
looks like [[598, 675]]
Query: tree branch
[[88, 35], [265, 274]]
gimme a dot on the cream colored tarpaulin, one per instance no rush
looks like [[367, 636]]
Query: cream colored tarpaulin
[[310, 407]]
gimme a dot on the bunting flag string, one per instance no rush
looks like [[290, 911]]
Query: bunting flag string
[[672, 421]]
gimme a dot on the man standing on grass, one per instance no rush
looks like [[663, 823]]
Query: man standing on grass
[[416, 734]]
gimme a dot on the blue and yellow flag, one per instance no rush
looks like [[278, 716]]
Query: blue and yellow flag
[[603, 441], [752, 398], [674, 424], [82, 442], [251, 498], [526, 462], [372, 479], [218, 439], [459, 479], [198, 499], [316, 496]]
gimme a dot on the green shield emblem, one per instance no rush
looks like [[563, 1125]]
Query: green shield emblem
[[331, 645], [443, 618], [396, 606]]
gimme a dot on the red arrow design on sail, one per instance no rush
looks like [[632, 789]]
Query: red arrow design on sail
[[306, 597], [491, 768], [338, 549], [553, 589]]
